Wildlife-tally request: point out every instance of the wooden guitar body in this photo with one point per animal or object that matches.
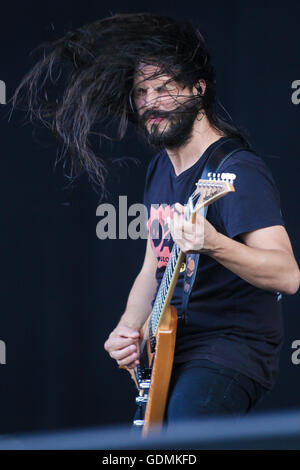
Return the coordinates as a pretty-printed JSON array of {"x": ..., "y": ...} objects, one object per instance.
[{"x": 161, "y": 370}]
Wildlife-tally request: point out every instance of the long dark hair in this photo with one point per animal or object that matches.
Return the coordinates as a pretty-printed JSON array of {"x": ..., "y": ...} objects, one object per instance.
[{"x": 83, "y": 82}]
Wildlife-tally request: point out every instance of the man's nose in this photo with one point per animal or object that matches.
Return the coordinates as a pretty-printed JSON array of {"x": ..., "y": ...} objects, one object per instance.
[{"x": 152, "y": 100}]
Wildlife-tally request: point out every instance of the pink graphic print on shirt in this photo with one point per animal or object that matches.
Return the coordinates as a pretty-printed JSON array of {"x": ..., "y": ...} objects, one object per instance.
[{"x": 159, "y": 231}]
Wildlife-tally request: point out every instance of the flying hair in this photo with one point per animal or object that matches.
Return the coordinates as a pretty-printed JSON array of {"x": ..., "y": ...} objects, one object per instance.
[{"x": 83, "y": 82}]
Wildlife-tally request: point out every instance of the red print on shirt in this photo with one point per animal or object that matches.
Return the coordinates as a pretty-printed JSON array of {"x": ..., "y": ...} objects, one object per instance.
[{"x": 159, "y": 231}]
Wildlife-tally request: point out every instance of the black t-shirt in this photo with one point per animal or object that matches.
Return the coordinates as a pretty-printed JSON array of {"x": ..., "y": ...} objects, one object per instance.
[{"x": 229, "y": 321}]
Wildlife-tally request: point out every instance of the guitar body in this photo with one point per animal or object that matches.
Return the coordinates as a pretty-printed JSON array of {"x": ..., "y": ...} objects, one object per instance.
[
  {"x": 161, "y": 369},
  {"x": 161, "y": 372}
]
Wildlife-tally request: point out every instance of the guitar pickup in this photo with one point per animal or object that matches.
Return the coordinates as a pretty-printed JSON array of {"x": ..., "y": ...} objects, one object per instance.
[
  {"x": 141, "y": 399},
  {"x": 145, "y": 385}
]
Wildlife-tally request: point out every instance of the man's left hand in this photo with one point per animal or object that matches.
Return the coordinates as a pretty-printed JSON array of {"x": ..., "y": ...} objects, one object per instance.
[{"x": 196, "y": 237}]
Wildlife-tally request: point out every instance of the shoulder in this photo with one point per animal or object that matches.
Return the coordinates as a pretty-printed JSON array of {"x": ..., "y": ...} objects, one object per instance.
[
  {"x": 248, "y": 165},
  {"x": 255, "y": 201},
  {"x": 246, "y": 160}
]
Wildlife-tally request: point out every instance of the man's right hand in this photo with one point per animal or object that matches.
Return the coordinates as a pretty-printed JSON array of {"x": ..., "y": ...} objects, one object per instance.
[{"x": 122, "y": 345}]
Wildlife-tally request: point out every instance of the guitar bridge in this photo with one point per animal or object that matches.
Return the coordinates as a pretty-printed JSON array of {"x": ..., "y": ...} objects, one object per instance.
[
  {"x": 138, "y": 422},
  {"x": 141, "y": 401}
]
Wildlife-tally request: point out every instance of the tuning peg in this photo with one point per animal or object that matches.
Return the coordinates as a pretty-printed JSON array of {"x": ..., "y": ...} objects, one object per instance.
[
  {"x": 209, "y": 175},
  {"x": 230, "y": 177}
]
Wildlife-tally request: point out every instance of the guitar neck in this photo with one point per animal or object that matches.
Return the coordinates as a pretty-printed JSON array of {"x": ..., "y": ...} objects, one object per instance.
[{"x": 166, "y": 288}]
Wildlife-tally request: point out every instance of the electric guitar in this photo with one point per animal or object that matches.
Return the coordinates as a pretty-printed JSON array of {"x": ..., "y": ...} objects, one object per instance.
[{"x": 158, "y": 335}]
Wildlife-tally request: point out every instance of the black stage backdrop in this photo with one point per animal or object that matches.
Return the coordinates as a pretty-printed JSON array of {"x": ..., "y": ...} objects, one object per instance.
[{"x": 62, "y": 288}]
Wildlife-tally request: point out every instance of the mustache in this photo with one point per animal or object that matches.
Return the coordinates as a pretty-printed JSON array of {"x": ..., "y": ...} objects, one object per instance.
[{"x": 155, "y": 114}]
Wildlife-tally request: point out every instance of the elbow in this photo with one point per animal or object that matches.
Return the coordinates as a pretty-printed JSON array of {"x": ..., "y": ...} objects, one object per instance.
[{"x": 292, "y": 284}]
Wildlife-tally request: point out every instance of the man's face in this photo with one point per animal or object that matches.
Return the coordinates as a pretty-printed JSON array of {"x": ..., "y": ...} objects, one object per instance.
[{"x": 166, "y": 110}]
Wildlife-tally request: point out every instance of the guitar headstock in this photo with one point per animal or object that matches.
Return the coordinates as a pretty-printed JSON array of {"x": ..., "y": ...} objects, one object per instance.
[{"x": 208, "y": 191}]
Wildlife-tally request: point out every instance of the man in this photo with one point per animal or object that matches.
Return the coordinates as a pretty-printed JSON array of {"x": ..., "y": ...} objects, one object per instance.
[
  {"x": 157, "y": 73},
  {"x": 207, "y": 377}
]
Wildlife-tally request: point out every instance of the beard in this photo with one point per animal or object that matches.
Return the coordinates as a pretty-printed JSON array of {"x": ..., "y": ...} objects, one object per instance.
[{"x": 173, "y": 131}]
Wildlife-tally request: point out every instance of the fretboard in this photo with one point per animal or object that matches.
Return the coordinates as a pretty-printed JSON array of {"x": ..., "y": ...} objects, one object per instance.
[{"x": 166, "y": 288}]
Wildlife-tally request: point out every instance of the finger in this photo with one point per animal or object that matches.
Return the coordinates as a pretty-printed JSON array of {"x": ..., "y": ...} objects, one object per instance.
[
  {"x": 196, "y": 228},
  {"x": 119, "y": 342},
  {"x": 128, "y": 360},
  {"x": 188, "y": 237},
  {"x": 178, "y": 208},
  {"x": 177, "y": 226},
  {"x": 188, "y": 228},
  {"x": 132, "y": 365},
  {"x": 119, "y": 354}
]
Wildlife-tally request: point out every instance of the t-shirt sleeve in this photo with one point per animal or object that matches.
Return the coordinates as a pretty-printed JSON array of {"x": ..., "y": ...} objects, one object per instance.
[{"x": 255, "y": 203}]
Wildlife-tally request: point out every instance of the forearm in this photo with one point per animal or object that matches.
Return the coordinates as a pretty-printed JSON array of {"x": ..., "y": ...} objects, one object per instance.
[
  {"x": 139, "y": 301},
  {"x": 268, "y": 269}
]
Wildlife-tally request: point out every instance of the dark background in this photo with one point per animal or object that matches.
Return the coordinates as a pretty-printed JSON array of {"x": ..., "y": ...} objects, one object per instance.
[{"x": 63, "y": 290}]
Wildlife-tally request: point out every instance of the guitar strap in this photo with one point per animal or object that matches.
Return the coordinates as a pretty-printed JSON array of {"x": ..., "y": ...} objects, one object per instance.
[{"x": 214, "y": 163}]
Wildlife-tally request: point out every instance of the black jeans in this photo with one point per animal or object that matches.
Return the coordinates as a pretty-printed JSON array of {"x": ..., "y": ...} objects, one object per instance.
[{"x": 203, "y": 388}]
